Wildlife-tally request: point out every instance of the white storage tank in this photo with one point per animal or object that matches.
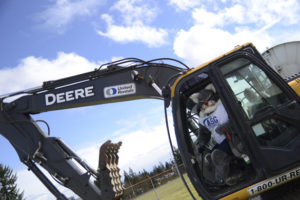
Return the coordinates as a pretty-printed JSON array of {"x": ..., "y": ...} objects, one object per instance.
[{"x": 285, "y": 59}]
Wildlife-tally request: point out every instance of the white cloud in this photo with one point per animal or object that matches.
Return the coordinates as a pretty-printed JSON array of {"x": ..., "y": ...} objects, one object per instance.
[
  {"x": 248, "y": 12},
  {"x": 272, "y": 9},
  {"x": 59, "y": 15},
  {"x": 200, "y": 44},
  {"x": 152, "y": 37},
  {"x": 286, "y": 10},
  {"x": 136, "y": 10},
  {"x": 136, "y": 16},
  {"x": 141, "y": 149},
  {"x": 185, "y": 4},
  {"x": 216, "y": 31},
  {"x": 33, "y": 71},
  {"x": 206, "y": 18},
  {"x": 143, "y": 145}
]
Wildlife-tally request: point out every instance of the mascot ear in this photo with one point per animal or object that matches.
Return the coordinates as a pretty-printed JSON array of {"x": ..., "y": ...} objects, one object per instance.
[
  {"x": 211, "y": 87},
  {"x": 194, "y": 97}
]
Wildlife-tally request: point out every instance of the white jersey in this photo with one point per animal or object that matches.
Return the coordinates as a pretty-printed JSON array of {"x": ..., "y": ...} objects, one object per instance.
[{"x": 218, "y": 117}]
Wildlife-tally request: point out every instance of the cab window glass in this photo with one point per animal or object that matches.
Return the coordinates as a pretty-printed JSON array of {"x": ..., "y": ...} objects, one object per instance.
[
  {"x": 252, "y": 87},
  {"x": 273, "y": 132}
]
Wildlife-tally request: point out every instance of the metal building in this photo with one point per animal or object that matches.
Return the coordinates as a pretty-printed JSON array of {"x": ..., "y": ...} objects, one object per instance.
[{"x": 285, "y": 59}]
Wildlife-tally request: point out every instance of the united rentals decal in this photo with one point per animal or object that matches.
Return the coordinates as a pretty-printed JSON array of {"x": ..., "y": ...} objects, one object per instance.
[{"x": 119, "y": 90}]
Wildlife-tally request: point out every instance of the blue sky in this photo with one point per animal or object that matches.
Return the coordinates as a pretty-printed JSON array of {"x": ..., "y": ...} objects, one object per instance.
[{"x": 46, "y": 40}]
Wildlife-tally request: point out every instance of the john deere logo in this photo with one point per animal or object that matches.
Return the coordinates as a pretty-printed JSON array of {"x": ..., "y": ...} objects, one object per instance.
[{"x": 119, "y": 90}]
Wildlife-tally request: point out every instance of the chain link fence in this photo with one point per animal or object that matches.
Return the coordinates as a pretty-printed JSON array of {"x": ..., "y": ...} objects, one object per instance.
[{"x": 151, "y": 183}]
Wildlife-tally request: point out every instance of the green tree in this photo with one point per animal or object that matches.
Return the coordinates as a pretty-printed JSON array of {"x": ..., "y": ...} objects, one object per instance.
[
  {"x": 157, "y": 169},
  {"x": 132, "y": 176},
  {"x": 127, "y": 182},
  {"x": 8, "y": 186},
  {"x": 177, "y": 156},
  {"x": 168, "y": 165}
]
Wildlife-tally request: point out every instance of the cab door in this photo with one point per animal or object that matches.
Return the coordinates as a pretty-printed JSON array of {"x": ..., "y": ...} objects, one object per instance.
[{"x": 269, "y": 110}]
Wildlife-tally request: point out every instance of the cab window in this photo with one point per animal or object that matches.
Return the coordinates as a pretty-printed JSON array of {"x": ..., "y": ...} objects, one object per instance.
[
  {"x": 275, "y": 133},
  {"x": 252, "y": 88},
  {"x": 257, "y": 94}
]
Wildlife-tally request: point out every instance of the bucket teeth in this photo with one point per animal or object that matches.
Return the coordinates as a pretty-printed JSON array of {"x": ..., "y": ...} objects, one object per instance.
[{"x": 109, "y": 177}]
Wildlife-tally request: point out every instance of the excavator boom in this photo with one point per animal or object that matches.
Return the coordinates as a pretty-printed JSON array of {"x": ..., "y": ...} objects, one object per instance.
[{"x": 36, "y": 148}]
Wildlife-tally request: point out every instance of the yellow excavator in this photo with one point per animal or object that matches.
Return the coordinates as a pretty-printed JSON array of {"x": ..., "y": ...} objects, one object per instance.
[{"x": 261, "y": 128}]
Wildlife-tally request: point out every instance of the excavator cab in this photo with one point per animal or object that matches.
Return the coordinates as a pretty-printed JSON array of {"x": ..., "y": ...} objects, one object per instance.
[{"x": 259, "y": 123}]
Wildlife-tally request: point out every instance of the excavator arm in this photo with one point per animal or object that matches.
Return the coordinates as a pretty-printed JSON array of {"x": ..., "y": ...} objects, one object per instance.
[{"x": 123, "y": 80}]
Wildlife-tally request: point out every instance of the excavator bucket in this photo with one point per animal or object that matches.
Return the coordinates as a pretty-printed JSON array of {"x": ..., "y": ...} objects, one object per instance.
[{"x": 109, "y": 178}]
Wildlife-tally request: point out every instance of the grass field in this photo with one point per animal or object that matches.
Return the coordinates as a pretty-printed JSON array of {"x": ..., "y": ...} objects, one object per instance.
[{"x": 174, "y": 190}]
